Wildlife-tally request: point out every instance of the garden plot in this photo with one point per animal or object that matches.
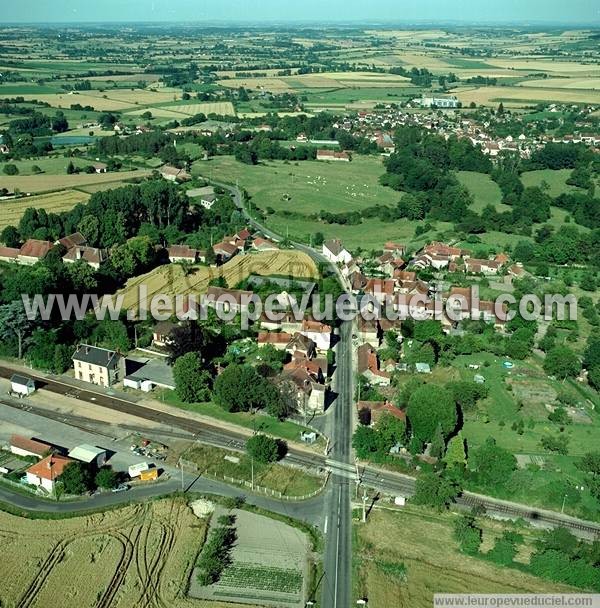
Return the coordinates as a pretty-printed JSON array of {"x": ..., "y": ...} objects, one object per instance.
[{"x": 269, "y": 565}]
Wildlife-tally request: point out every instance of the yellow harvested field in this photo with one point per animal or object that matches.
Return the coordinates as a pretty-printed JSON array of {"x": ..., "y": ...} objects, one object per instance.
[
  {"x": 65, "y": 100},
  {"x": 11, "y": 211},
  {"x": 224, "y": 108},
  {"x": 172, "y": 280},
  {"x": 536, "y": 65},
  {"x": 141, "y": 555},
  {"x": 325, "y": 80},
  {"x": 112, "y": 99},
  {"x": 137, "y": 96},
  {"x": 45, "y": 183},
  {"x": 522, "y": 96},
  {"x": 270, "y": 84},
  {"x": 565, "y": 83},
  {"x": 164, "y": 112}
]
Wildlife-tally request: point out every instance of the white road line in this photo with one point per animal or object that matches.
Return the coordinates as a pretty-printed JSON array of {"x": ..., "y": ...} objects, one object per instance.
[
  {"x": 337, "y": 553},
  {"x": 325, "y": 527}
]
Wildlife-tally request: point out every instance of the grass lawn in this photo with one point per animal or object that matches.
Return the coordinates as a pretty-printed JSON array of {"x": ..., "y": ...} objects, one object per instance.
[
  {"x": 287, "y": 480},
  {"x": 423, "y": 542},
  {"x": 264, "y": 424}
]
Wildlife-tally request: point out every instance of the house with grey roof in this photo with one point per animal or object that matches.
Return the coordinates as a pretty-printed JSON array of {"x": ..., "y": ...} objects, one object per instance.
[{"x": 96, "y": 365}]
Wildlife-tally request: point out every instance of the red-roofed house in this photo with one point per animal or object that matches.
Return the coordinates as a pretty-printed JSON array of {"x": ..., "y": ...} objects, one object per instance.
[
  {"x": 45, "y": 472},
  {"x": 368, "y": 366},
  {"x": 21, "y": 446},
  {"x": 264, "y": 245},
  {"x": 9, "y": 254},
  {"x": 278, "y": 340},
  {"x": 378, "y": 408}
]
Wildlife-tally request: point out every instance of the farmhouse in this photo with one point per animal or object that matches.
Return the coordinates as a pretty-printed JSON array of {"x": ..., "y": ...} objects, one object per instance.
[
  {"x": 225, "y": 250},
  {"x": 368, "y": 366},
  {"x": 278, "y": 340},
  {"x": 72, "y": 240},
  {"x": 302, "y": 345},
  {"x": 439, "y": 102},
  {"x": 182, "y": 253},
  {"x": 92, "y": 256},
  {"x": 377, "y": 409},
  {"x": 264, "y": 245},
  {"x": 318, "y": 332},
  {"x": 310, "y": 394},
  {"x": 9, "y": 254},
  {"x": 228, "y": 300},
  {"x": 482, "y": 266},
  {"x": 148, "y": 374},
  {"x": 335, "y": 252},
  {"x": 161, "y": 334},
  {"x": 173, "y": 174},
  {"x": 96, "y": 365},
  {"x": 333, "y": 155},
  {"x": 33, "y": 251},
  {"x": 45, "y": 473}
]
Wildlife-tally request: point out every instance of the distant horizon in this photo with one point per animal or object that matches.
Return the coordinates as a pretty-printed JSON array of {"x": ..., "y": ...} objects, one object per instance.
[
  {"x": 580, "y": 13},
  {"x": 299, "y": 22}
]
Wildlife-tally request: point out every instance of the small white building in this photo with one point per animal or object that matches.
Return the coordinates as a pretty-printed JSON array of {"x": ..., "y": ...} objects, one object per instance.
[{"x": 22, "y": 385}]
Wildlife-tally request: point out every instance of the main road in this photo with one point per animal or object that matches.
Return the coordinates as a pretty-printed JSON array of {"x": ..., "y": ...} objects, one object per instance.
[{"x": 337, "y": 580}]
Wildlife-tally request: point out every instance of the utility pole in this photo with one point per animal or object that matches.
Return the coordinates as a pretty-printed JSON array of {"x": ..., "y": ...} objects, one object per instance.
[
  {"x": 562, "y": 510},
  {"x": 181, "y": 467},
  {"x": 364, "y": 512}
]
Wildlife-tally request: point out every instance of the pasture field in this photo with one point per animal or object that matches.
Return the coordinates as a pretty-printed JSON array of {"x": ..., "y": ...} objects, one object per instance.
[
  {"x": 484, "y": 189},
  {"x": 138, "y": 555},
  {"x": 314, "y": 186},
  {"x": 50, "y": 165},
  {"x": 11, "y": 211},
  {"x": 172, "y": 279},
  {"x": 524, "y": 393},
  {"x": 423, "y": 542},
  {"x": 556, "y": 179},
  {"x": 44, "y": 183}
]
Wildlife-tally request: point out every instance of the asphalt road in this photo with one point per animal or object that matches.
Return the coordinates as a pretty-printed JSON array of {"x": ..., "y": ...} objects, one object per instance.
[
  {"x": 337, "y": 565},
  {"x": 337, "y": 581}
]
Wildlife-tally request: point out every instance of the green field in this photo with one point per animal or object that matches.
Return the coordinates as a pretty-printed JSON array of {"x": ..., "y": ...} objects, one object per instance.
[
  {"x": 556, "y": 179},
  {"x": 312, "y": 187},
  {"x": 484, "y": 189}
]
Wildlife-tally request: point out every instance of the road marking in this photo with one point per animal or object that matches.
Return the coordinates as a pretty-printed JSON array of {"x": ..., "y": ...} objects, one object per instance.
[
  {"x": 325, "y": 527},
  {"x": 337, "y": 552}
]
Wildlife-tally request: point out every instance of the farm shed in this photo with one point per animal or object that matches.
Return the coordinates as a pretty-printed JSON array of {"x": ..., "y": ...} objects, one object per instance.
[
  {"x": 89, "y": 454},
  {"x": 148, "y": 375}
]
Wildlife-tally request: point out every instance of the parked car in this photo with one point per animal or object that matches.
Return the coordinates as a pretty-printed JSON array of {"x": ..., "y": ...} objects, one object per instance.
[{"x": 122, "y": 488}]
